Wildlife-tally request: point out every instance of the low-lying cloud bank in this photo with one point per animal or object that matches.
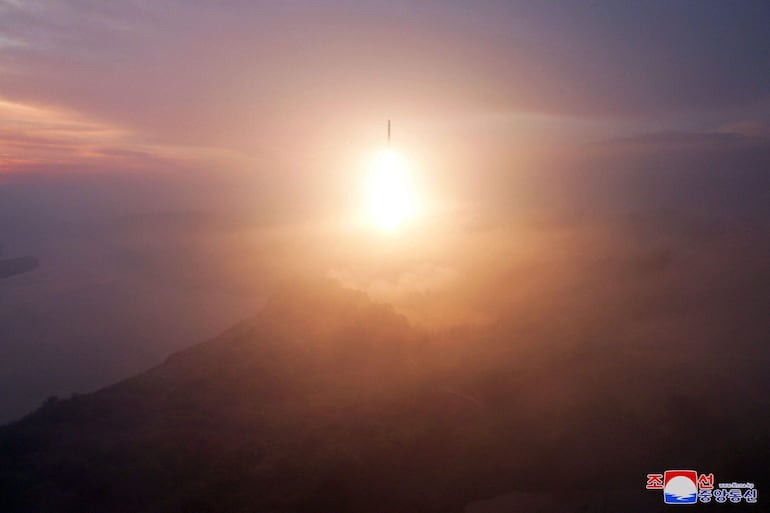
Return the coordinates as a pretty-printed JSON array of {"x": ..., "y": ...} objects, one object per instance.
[{"x": 666, "y": 245}]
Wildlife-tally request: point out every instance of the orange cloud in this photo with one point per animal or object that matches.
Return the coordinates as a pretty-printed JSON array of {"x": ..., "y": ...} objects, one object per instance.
[{"x": 36, "y": 136}]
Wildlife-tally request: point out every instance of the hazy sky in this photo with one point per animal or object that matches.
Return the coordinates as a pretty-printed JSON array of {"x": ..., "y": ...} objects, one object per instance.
[
  {"x": 197, "y": 153},
  {"x": 298, "y": 83}
]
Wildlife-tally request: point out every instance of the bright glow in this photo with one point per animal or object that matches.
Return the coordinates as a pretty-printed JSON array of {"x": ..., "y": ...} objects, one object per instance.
[{"x": 390, "y": 197}]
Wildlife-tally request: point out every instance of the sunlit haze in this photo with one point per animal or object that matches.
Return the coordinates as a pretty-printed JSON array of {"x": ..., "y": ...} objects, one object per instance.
[{"x": 550, "y": 277}]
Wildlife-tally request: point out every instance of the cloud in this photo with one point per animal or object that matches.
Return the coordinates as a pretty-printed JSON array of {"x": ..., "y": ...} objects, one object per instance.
[
  {"x": 13, "y": 266},
  {"x": 262, "y": 77},
  {"x": 747, "y": 128},
  {"x": 723, "y": 154},
  {"x": 753, "y": 132},
  {"x": 44, "y": 137},
  {"x": 399, "y": 286},
  {"x": 32, "y": 134}
]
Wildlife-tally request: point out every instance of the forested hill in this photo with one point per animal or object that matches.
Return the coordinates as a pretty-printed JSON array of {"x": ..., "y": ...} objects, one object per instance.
[{"x": 328, "y": 402}]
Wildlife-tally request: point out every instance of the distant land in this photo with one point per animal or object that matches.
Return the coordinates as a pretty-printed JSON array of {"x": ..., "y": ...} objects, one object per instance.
[{"x": 13, "y": 266}]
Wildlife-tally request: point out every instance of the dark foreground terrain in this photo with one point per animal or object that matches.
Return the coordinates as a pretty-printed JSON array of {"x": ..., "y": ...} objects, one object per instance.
[{"x": 327, "y": 402}]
